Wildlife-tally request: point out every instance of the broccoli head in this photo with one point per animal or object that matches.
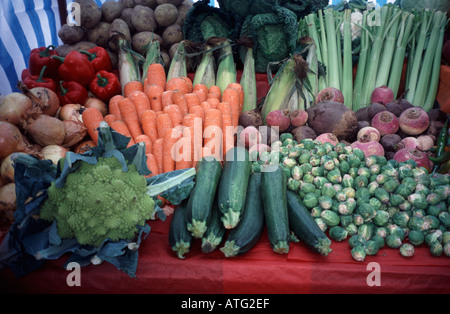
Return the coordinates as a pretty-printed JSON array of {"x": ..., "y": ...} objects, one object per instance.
[{"x": 98, "y": 202}]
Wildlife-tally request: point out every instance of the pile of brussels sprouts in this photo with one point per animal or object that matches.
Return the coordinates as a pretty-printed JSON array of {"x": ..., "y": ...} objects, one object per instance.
[{"x": 370, "y": 201}]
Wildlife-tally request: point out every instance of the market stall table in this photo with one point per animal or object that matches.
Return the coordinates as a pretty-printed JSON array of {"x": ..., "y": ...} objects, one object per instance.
[{"x": 259, "y": 271}]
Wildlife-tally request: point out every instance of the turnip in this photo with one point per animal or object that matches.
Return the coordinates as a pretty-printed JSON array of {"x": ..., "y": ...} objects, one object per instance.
[
  {"x": 369, "y": 132},
  {"x": 250, "y": 136},
  {"x": 298, "y": 117},
  {"x": 382, "y": 95},
  {"x": 414, "y": 121},
  {"x": 330, "y": 94},
  {"x": 409, "y": 142},
  {"x": 385, "y": 122},
  {"x": 279, "y": 118},
  {"x": 327, "y": 138},
  {"x": 369, "y": 147},
  {"x": 426, "y": 141},
  {"x": 418, "y": 156}
]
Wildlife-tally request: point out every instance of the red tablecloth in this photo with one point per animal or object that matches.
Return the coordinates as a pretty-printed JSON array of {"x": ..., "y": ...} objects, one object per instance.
[{"x": 258, "y": 271}]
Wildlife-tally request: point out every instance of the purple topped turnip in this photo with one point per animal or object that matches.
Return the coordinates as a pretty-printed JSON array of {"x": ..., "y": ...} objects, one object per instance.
[
  {"x": 279, "y": 118},
  {"x": 414, "y": 121},
  {"x": 382, "y": 95},
  {"x": 330, "y": 94},
  {"x": 385, "y": 122}
]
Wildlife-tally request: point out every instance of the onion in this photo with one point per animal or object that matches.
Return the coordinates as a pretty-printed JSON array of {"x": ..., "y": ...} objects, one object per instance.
[
  {"x": 48, "y": 100},
  {"x": 46, "y": 130},
  {"x": 426, "y": 141},
  {"x": 8, "y": 200},
  {"x": 330, "y": 94},
  {"x": 414, "y": 121},
  {"x": 382, "y": 95},
  {"x": 369, "y": 147},
  {"x": 369, "y": 132},
  {"x": 94, "y": 102},
  {"x": 327, "y": 138},
  {"x": 7, "y": 167},
  {"x": 53, "y": 152},
  {"x": 11, "y": 140},
  {"x": 385, "y": 122},
  {"x": 15, "y": 107},
  {"x": 409, "y": 142},
  {"x": 71, "y": 112},
  {"x": 75, "y": 132},
  {"x": 418, "y": 156}
]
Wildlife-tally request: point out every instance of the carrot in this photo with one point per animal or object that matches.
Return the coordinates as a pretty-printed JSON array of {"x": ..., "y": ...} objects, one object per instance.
[
  {"x": 213, "y": 101},
  {"x": 206, "y": 106},
  {"x": 121, "y": 127},
  {"x": 170, "y": 137},
  {"x": 140, "y": 101},
  {"x": 188, "y": 83},
  {"x": 147, "y": 141},
  {"x": 199, "y": 111},
  {"x": 163, "y": 123},
  {"x": 240, "y": 90},
  {"x": 231, "y": 96},
  {"x": 166, "y": 98},
  {"x": 152, "y": 165},
  {"x": 154, "y": 94},
  {"x": 228, "y": 133},
  {"x": 131, "y": 87},
  {"x": 224, "y": 107},
  {"x": 213, "y": 95},
  {"x": 84, "y": 147},
  {"x": 175, "y": 114},
  {"x": 148, "y": 123},
  {"x": 109, "y": 118},
  {"x": 91, "y": 120},
  {"x": 183, "y": 153},
  {"x": 114, "y": 106},
  {"x": 192, "y": 99},
  {"x": 179, "y": 99},
  {"x": 158, "y": 153},
  {"x": 130, "y": 117},
  {"x": 200, "y": 86},
  {"x": 212, "y": 134},
  {"x": 156, "y": 74},
  {"x": 178, "y": 83},
  {"x": 214, "y": 89}
]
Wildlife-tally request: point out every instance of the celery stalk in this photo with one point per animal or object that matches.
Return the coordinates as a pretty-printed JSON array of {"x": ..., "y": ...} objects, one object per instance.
[
  {"x": 360, "y": 71},
  {"x": 347, "y": 75},
  {"x": 333, "y": 55}
]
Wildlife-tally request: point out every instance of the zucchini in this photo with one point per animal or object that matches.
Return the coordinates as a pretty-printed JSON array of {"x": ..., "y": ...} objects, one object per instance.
[
  {"x": 202, "y": 197},
  {"x": 273, "y": 190},
  {"x": 305, "y": 227},
  {"x": 233, "y": 185},
  {"x": 249, "y": 230},
  {"x": 215, "y": 231},
  {"x": 179, "y": 237}
]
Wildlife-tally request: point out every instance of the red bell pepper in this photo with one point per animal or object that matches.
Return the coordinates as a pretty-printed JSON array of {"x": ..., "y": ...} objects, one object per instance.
[
  {"x": 72, "y": 92},
  {"x": 43, "y": 56},
  {"x": 76, "y": 67},
  {"x": 99, "y": 57},
  {"x": 105, "y": 85},
  {"x": 33, "y": 81}
]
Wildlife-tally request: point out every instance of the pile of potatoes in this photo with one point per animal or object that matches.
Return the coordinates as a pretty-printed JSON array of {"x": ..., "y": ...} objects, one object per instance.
[{"x": 138, "y": 20}]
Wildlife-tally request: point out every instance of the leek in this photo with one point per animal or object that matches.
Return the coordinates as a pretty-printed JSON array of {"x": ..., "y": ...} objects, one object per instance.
[
  {"x": 205, "y": 72},
  {"x": 332, "y": 47},
  {"x": 362, "y": 62},
  {"x": 347, "y": 71},
  {"x": 178, "y": 67},
  {"x": 226, "y": 68},
  {"x": 248, "y": 81}
]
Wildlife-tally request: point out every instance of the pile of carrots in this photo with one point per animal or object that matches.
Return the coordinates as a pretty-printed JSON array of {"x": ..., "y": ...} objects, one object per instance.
[{"x": 178, "y": 122}]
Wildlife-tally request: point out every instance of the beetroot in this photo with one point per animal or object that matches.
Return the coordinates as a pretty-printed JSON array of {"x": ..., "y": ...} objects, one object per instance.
[
  {"x": 251, "y": 118},
  {"x": 279, "y": 118},
  {"x": 369, "y": 147},
  {"x": 298, "y": 117},
  {"x": 414, "y": 121},
  {"x": 250, "y": 136},
  {"x": 418, "y": 156},
  {"x": 330, "y": 94},
  {"x": 385, "y": 122},
  {"x": 303, "y": 132},
  {"x": 389, "y": 142},
  {"x": 382, "y": 95},
  {"x": 327, "y": 138}
]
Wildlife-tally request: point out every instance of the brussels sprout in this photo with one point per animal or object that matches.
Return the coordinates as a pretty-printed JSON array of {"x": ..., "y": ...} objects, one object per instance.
[
  {"x": 308, "y": 177},
  {"x": 358, "y": 253},
  {"x": 410, "y": 183},
  {"x": 354, "y": 161},
  {"x": 314, "y": 160},
  {"x": 346, "y": 220},
  {"x": 364, "y": 171},
  {"x": 371, "y": 247},
  {"x": 406, "y": 250},
  {"x": 379, "y": 240},
  {"x": 293, "y": 184},
  {"x": 318, "y": 171},
  {"x": 358, "y": 220},
  {"x": 349, "y": 191},
  {"x": 343, "y": 157},
  {"x": 366, "y": 231},
  {"x": 325, "y": 201},
  {"x": 446, "y": 249},
  {"x": 393, "y": 163},
  {"x": 352, "y": 229},
  {"x": 307, "y": 187},
  {"x": 418, "y": 200},
  {"x": 347, "y": 181},
  {"x": 444, "y": 217},
  {"x": 304, "y": 157},
  {"x": 361, "y": 181},
  {"x": 382, "y": 195},
  {"x": 423, "y": 179},
  {"x": 405, "y": 205},
  {"x": 446, "y": 237},
  {"x": 393, "y": 241},
  {"x": 436, "y": 248},
  {"x": 321, "y": 223},
  {"x": 330, "y": 217},
  {"x": 382, "y": 232},
  {"x": 339, "y": 147},
  {"x": 433, "y": 236},
  {"x": 405, "y": 172},
  {"x": 310, "y": 200},
  {"x": 442, "y": 190},
  {"x": 401, "y": 219},
  {"x": 334, "y": 176},
  {"x": 367, "y": 211},
  {"x": 328, "y": 190},
  {"x": 416, "y": 223},
  {"x": 362, "y": 195},
  {"x": 389, "y": 170},
  {"x": 289, "y": 162},
  {"x": 328, "y": 146},
  {"x": 417, "y": 212},
  {"x": 315, "y": 211},
  {"x": 344, "y": 166},
  {"x": 393, "y": 228},
  {"x": 296, "y": 172},
  {"x": 396, "y": 199},
  {"x": 295, "y": 152},
  {"x": 392, "y": 210},
  {"x": 381, "y": 218},
  {"x": 403, "y": 190},
  {"x": 337, "y": 233},
  {"x": 439, "y": 179},
  {"x": 308, "y": 143},
  {"x": 329, "y": 164},
  {"x": 375, "y": 170},
  {"x": 286, "y": 136},
  {"x": 416, "y": 237},
  {"x": 431, "y": 222},
  {"x": 353, "y": 172},
  {"x": 371, "y": 160},
  {"x": 320, "y": 181},
  {"x": 435, "y": 210},
  {"x": 391, "y": 185},
  {"x": 372, "y": 186},
  {"x": 341, "y": 196},
  {"x": 284, "y": 151},
  {"x": 433, "y": 198},
  {"x": 359, "y": 153}
]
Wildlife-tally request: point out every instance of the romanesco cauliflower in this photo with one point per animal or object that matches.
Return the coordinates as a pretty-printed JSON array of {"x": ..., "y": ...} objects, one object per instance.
[{"x": 99, "y": 202}]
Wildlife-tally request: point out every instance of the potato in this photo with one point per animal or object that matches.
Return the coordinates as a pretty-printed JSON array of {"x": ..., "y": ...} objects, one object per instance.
[
  {"x": 63, "y": 50},
  {"x": 127, "y": 3},
  {"x": 70, "y": 34},
  {"x": 114, "y": 58},
  {"x": 90, "y": 13},
  {"x": 174, "y": 2},
  {"x": 111, "y": 10},
  {"x": 126, "y": 16},
  {"x": 166, "y": 59},
  {"x": 140, "y": 40},
  {"x": 148, "y": 3},
  {"x": 118, "y": 26},
  {"x": 183, "y": 10},
  {"x": 172, "y": 34},
  {"x": 166, "y": 14},
  {"x": 99, "y": 34},
  {"x": 143, "y": 19},
  {"x": 173, "y": 49}
]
